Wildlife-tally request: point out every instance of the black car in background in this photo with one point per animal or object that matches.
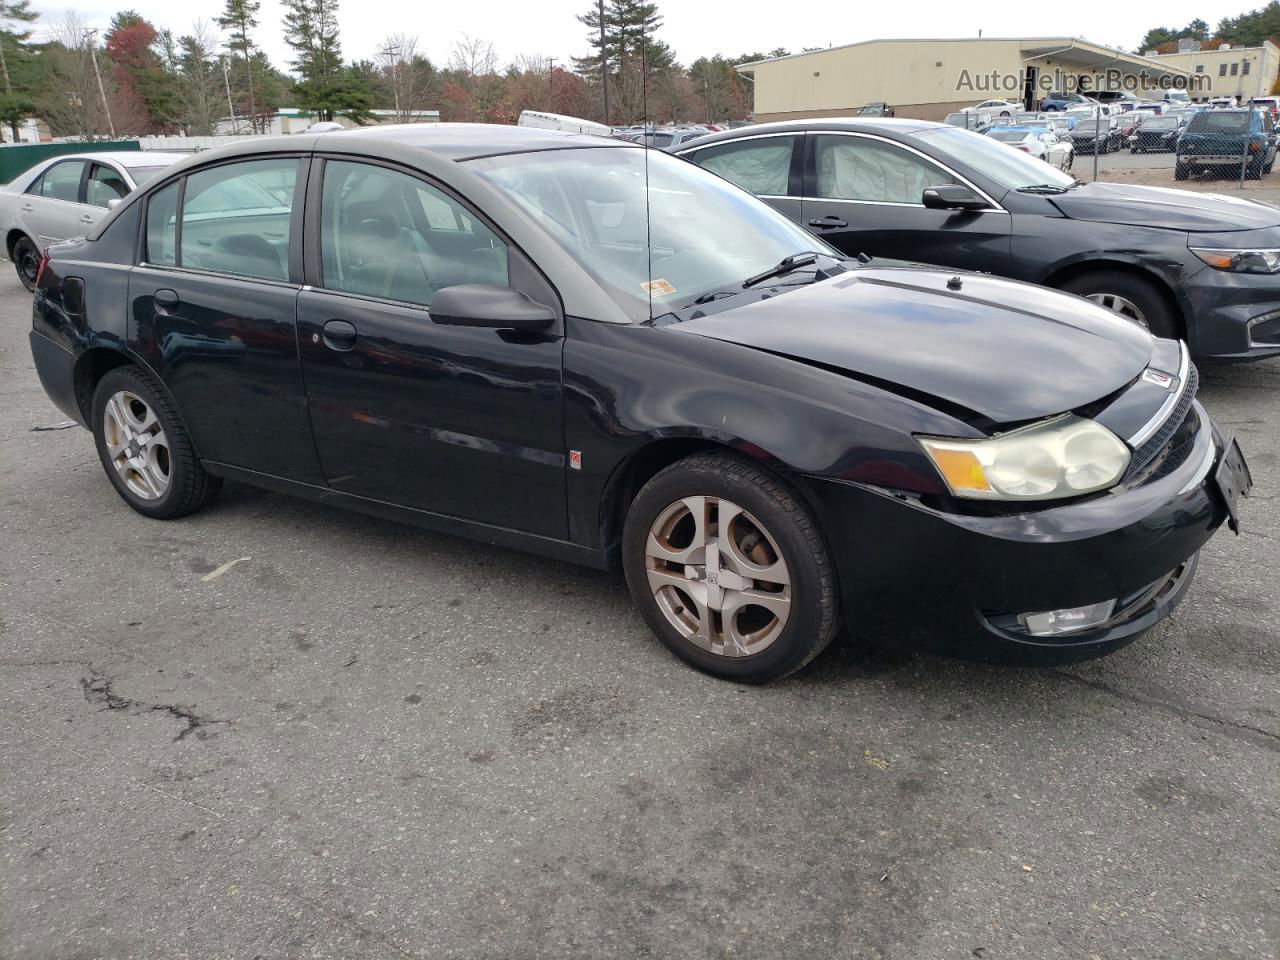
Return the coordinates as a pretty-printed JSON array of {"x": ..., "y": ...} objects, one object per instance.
[
  {"x": 591, "y": 350},
  {"x": 1231, "y": 143},
  {"x": 1158, "y": 133},
  {"x": 1190, "y": 265},
  {"x": 1097, "y": 135}
]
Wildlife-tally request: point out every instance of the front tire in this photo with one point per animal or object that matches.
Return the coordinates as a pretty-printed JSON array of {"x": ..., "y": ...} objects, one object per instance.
[
  {"x": 26, "y": 260},
  {"x": 1133, "y": 297},
  {"x": 729, "y": 569},
  {"x": 144, "y": 446}
]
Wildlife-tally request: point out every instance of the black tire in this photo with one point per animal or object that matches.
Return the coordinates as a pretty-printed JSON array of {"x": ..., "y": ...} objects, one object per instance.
[
  {"x": 1145, "y": 294},
  {"x": 814, "y": 608},
  {"x": 189, "y": 487},
  {"x": 1254, "y": 170},
  {"x": 1180, "y": 171},
  {"x": 26, "y": 260}
]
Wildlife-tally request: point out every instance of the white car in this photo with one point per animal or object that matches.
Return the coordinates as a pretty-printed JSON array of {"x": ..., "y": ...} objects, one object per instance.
[
  {"x": 1042, "y": 144},
  {"x": 63, "y": 197},
  {"x": 989, "y": 109}
]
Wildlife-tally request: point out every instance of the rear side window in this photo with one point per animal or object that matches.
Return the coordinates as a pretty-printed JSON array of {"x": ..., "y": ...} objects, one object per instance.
[
  {"x": 236, "y": 218},
  {"x": 162, "y": 226},
  {"x": 762, "y": 167},
  {"x": 389, "y": 235},
  {"x": 61, "y": 181}
]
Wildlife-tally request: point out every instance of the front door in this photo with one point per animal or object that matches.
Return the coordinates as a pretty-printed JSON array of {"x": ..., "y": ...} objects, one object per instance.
[
  {"x": 863, "y": 194},
  {"x": 461, "y": 421},
  {"x": 52, "y": 209},
  {"x": 213, "y": 310}
]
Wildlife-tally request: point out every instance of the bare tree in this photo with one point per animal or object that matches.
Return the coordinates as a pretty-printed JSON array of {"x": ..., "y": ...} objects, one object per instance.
[
  {"x": 201, "y": 88},
  {"x": 473, "y": 57},
  {"x": 72, "y": 97},
  {"x": 408, "y": 74}
]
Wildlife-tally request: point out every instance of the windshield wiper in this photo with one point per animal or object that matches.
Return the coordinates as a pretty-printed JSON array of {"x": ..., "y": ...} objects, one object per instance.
[
  {"x": 785, "y": 265},
  {"x": 1050, "y": 188}
]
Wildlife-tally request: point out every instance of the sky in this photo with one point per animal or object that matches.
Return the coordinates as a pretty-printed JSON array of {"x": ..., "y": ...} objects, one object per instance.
[{"x": 693, "y": 28}]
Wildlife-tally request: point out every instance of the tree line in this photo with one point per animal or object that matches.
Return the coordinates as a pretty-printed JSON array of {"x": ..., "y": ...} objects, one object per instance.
[
  {"x": 137, "y": 79},
  {"x": 1246, "y": 30}
]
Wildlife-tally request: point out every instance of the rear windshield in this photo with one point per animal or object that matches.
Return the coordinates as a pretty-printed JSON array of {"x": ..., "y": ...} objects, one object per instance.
[
  {"x": 1159, "y": 123},
  {"x": 1010, "y": 136},
  {"x": 1219, "y": 121}
]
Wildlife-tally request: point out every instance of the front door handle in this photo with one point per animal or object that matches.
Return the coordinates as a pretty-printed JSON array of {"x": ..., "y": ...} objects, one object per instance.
[
  {"x": 166, "y": 300},
  {"x": 27, "y": 208},
  {"x": 339, "y": 335},
  {"x": 827, "y": 222}
]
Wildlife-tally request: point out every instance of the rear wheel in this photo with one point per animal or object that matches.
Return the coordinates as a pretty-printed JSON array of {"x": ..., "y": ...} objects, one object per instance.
[
  {"x": 26, "y": 260},
  {"x": 1254, "y": 171},
  {"x": 729, "y": 569},
  {"x": 1127, "y": 295},
  {"x": 144, "y": 447},
  {"x": 1180, "y": 171}
]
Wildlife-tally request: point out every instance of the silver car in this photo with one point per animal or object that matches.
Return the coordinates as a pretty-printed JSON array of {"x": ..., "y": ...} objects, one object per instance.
[{"x": 63, "y": 197}]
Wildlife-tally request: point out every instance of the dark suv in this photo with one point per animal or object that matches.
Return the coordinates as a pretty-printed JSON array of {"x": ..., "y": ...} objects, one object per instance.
[{"x": 1227, "y": 141}]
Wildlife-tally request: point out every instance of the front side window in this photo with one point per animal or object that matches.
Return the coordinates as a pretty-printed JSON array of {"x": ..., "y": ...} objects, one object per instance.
[
  {"x": 61, "y": 181},
  {"x": 389, "y": 235},
  {"x": 855, "y": 168},
  {"x": 654, "y": 231},
  {"x": 760, "y": 166},
  {"x": 104, "y": 184},
  {"x": 236, "y": 218}
]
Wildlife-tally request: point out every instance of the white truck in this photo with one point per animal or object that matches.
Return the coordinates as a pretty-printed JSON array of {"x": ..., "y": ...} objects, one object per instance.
[{"x": 555, "y": 121}]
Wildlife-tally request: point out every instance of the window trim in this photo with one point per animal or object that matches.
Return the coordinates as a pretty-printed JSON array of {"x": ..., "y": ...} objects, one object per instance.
[
  {"x": 811, "y": 173},
  {"x": 795, "y": 172},
  {"x": 128, "y": 181},
  {"x": 85, "y": 163},
  {"x": 312, "y": 238},
  {"x": 295, "y": 264}
]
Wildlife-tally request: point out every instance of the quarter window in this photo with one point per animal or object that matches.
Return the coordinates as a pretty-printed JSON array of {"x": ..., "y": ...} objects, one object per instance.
[
  {"x": 104, "y": 184},
  {"x": 61, "y": 181},
  {"x": 236, "y": 218},
  {"x": 760, "y": 166},
  {"x": 854, "y": 168},
  {"x": 387, "y": 234},
  {"x": 162, "y": 226}
]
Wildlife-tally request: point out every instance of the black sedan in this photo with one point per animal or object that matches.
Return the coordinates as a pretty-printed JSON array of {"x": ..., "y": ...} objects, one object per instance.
[
  {"x": 1185, "y": 265},
  {"x": 597, "y": 352}
]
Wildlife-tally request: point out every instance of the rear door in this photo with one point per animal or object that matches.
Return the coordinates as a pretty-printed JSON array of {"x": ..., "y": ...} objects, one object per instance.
[
  {"x": 52, "y": 208},
  {"x": 863, "y": 194},
  {"x": 767, "y": 165},
  {"x": 461, "y": 421},
  {"x": 213, "y": 310}
]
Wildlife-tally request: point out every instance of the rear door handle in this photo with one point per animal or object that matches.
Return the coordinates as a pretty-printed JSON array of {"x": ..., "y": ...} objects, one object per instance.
[
  {"x": 827, "y": 222},
  {"x": 165, "y": 300},
  {"x": 87, "y": 218},
  {"x": 339, "y": 335}
]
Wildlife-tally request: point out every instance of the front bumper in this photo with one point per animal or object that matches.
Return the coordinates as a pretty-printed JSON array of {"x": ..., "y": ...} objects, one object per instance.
[
  {"x": 1236, "y": 316},
  {"x": 953, "y": 584}
]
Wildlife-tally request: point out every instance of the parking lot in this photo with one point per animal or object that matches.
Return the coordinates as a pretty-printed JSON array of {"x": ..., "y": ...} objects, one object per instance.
[{"x": 278, "y": 730}]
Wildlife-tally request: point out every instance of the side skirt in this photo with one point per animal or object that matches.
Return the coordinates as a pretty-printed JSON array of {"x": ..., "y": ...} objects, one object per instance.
[{"x": 442, "y": 523}]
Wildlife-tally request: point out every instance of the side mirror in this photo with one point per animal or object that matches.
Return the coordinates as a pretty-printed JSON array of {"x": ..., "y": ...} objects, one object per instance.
[
  {"x": 113, "y": 203},
  {"x": 952, "y": 196},
  {"x": 485, "y": 305}
]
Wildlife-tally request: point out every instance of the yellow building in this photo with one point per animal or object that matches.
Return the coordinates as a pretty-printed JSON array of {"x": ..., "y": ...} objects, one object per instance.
[
  {"x": 927, "y": 79},
  {"x": 1242, "y": 72}
]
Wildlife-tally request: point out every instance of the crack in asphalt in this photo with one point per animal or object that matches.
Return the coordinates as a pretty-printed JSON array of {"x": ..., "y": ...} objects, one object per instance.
[
  {"x": 99, "y": 688},
  {"x": 1258, "y": 737}
]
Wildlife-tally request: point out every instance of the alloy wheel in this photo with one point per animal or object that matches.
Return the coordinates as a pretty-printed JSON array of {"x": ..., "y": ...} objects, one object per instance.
[
  {"x": 1119, "y": 305},
  {"x": 718, "y": 576},
  {"x": 137, "y": 445}
]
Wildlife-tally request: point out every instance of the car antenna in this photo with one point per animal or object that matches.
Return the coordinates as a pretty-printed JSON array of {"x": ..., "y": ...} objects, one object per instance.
[{"x": 644, "y": 109}]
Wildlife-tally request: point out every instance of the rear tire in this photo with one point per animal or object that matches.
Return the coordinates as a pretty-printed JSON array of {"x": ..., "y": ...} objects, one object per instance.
[
  {"x": 26, "y": 260},
  {"x": 144, "y": 446},
  {"x": 1112, "y": 288},
  {"x": 701, "y": 605},
  {"x": 1180, "y": 171}
]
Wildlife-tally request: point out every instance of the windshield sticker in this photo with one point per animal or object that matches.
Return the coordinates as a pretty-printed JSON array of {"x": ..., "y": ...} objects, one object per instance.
[{"x": 658, "y": 288}]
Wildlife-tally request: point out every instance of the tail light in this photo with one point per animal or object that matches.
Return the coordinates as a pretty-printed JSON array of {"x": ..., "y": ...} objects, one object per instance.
[{"x": 1254, "y": 146}]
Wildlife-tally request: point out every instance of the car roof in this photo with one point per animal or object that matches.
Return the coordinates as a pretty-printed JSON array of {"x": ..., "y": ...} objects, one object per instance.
[
  {"x": 468, "y": 141},
  {"x": 125, "y": 158},
  {"x": 875, "y": 125}
]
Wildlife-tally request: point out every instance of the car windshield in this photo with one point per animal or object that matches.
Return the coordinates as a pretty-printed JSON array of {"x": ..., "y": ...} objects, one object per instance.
[
  {"x": 1220, "y": 121},
  {"x": 696, "y": 234},
  {"x": 1159, "y": 123},
  {"x": 142, "y": 174},
  {"x": 1087, "y": 126},
  {"x": 1011, "y": 169}
]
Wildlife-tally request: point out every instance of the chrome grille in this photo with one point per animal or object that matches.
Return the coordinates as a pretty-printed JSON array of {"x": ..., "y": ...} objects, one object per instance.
[{"x": 1152, "y": 447}]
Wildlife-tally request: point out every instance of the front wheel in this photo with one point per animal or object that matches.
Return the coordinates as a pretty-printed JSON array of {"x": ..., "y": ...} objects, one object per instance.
[
  {"x": 26, "y": 260},
  {"x": 144, "y": 447},
  {"x": 1130, "y": 296},
  {"x": 729, "y": 569}
]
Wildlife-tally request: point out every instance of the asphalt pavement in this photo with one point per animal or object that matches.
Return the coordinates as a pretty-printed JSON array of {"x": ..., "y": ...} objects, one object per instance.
[{"x": 278, "y": 730}]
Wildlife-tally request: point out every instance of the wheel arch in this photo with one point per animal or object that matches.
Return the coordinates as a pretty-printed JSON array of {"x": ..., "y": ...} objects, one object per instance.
[
  {"x": 91, "y": 366},
  {"x": 1078, "y": 268},
  {"x": 12, "y": 237}
]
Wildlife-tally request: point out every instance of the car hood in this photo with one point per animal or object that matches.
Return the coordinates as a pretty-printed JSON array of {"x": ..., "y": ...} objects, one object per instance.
[
  {"x": 1165, "y": 207},
  {"x": 1004, "y": 350}
]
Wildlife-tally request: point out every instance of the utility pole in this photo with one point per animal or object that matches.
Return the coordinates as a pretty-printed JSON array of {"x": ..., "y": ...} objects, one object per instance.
[
  {"x": 226, "y": 79},
  {"x": 90, "y": 36},
  {"x": 551, "y": 82},
  {"x": 392, "y": 53},
  {"x": 604, "y": 66}
]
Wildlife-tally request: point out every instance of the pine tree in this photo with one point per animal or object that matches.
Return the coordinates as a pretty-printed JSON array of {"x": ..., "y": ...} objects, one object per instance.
[
  {"x": 12, "y": 14},
  {"x": 326, "y": 87},
  {"x": 628, "y": 50},
  {"x": 238, "y": 18}
]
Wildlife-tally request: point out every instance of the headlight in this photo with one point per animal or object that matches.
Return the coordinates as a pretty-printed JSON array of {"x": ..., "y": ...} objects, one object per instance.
[
  {"x": 1240, "y": 261},
  {"x": 1063, "y": 457}
]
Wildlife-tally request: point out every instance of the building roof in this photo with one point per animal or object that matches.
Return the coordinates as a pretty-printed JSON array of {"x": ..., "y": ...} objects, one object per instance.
[{"x": 1075, "y": 49}]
